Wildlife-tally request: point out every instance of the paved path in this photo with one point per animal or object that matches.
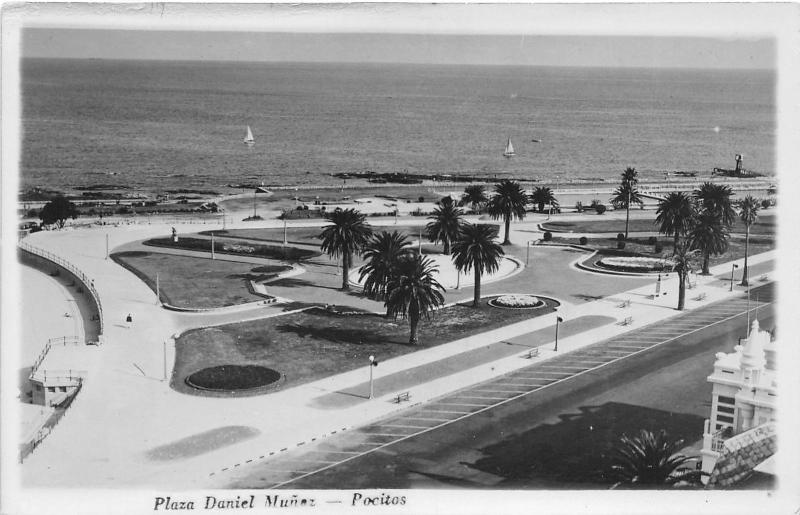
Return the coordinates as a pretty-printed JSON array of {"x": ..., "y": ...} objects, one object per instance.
[{"x": 140, "y": 413}]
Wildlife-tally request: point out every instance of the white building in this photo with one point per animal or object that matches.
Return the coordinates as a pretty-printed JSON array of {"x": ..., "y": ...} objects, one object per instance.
[{"x": 740, "y": 432}]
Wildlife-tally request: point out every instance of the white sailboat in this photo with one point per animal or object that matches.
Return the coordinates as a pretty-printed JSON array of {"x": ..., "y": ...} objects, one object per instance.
[
  {"x": 509, "y": 149},
  {"x": 248, "y": 139}
]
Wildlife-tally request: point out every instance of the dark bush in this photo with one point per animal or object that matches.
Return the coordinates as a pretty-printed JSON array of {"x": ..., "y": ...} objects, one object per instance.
[
  {"x": 583, "y": 240},
  {"x": 548, "y": 236},
  {"x": 620, "y": 236},
  {"x": 123, "y": 210},
  {"x": 765, "y": 203},
  {"x": 652, "y": 240},
  {"x": 600, "y": 208},
  {"x": 579, "y": 206},
  {"x": 620, "y": 245},
  {"x": 658, "y": 248},
  {"x": 422, "y": 199}
]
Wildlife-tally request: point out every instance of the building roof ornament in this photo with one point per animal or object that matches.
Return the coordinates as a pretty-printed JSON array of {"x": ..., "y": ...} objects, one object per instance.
[{"x": 753, "y": 356}]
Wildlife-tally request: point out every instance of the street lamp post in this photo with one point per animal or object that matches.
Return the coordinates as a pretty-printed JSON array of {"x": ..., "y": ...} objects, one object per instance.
[
  {"x": 165, "y": 360},
  {"x": 213, "y": 256},
  {"x": 372, "y": 363},
  {"x": 733, "y": 267},
  {"x": 558, "y": 321},
  {"x": 528, "y": 253},
  {"x": 285, "y": 216},
  {"x": 158, "y": 290},
  {"x": 106, "y": 245}
]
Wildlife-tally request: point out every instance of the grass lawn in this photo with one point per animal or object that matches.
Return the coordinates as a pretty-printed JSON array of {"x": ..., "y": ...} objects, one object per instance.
[
  {"x": 236, "y": 248},
  {"x": 191, "y": 282},
  {"x": 306, "y": 235},
  {"x": 316, "y": 343},
  {"x": 765, "y": 225},
  {"x": 641, "y": 247}
]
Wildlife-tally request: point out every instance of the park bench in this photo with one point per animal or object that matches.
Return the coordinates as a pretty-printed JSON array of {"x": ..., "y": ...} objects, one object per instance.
[
  {"x": 625, "y": 304},
  {"x": 700, "y": 297},
  {"x": 402, "y": 397},
  {"x": 531, "y": 353},
  {"x": 626, "y": 321}
]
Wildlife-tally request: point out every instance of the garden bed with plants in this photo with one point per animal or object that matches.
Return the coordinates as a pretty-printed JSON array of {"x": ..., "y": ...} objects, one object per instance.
[
  {"x": 197, "y": 283},
  {"x": 317, "y": 343}
]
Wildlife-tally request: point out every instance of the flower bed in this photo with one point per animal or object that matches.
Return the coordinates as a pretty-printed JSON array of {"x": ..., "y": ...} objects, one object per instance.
[
  {"x": 635, "y": 264},
  {"x": 516, "y": 301}
]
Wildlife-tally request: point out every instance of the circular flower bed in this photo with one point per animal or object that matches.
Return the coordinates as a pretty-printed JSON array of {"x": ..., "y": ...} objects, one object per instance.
[
  {"x": 636, "y": 264},
  {"x": 516, "y": 301},
  {"x": 232, "y": 377}
]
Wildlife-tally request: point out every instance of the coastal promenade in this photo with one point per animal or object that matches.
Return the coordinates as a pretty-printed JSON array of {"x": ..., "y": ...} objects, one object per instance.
[{"x": 128, "y": 428}]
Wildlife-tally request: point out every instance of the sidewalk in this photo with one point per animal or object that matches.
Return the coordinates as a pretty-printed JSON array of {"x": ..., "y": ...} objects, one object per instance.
[{"x": 139, "y": 412}]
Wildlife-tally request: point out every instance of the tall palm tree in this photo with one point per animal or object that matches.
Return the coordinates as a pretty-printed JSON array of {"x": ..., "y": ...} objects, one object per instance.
[
  {"x": 476, "y": 250},
  {"x": 508, "y": 201},
  {"x": 445, "y": 225},
  {"x": 748, "y": 214},
  {"x": 626, "y": 194},
  {"x": 716, "y": 199},
  {"x": 475, "y": 196},
  {"x": 412, "y": 292},
  {"x": 709, "y": 236},
  {"x": 683, "y": 260},
  {"x": 382, "y": 254},
  {"x": 543, "y": 195},
  {"x": 650, "y": 459},
  {"x": 675, "y": 215},
  {"x": 345, "y": 236}
]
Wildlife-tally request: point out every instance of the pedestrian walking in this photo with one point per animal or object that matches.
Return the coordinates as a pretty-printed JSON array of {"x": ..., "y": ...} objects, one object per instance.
[
  {"x": 129, "y": 321},
  {"x": 658, "y": 286}
]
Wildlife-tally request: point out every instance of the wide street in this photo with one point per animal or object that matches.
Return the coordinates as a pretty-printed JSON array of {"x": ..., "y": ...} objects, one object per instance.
[{"x": 544, "y": 426}]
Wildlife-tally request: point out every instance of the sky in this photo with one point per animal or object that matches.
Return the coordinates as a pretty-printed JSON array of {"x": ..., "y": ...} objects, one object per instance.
[{"x": 539, "y": 50}]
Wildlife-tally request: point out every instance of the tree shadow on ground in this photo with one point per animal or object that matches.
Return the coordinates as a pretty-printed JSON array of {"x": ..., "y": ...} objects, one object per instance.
[
  {"x": 575, "y": 450},
  {"x": 352, "y": 336}
]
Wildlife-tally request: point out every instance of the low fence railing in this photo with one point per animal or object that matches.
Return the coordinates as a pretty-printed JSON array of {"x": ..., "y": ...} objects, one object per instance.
[
  {"x": 62, "y": 340},
  {"x": 61, "y": 409},
  {"x": 88, "y": 283}
]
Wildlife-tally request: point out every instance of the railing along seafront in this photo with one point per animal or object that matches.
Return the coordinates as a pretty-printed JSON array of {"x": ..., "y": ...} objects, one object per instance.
[
  {"x": 63, "y": 340},
  {"x": 74, "y": 270}
]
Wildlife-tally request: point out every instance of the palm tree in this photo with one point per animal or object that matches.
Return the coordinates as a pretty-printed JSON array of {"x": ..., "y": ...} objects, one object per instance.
[
  {"x": 508, "y": 201},
  {"x": 476, "y": 250},
  {"x": 412, "y": 292},
  {"x": 682, "y": 264},
  {"x": 708, "y": 236},
  {"x": 675, "y": 215},
  {"x": 445, "y": 225},
  {"x": 543, "y": 195},
  {"x": 626, "y": 194},
  {"x": 475, "y": 196},
  {"x": 748, "y": 214},
  {"x": 382, "y": 254},
  {"x": 716, "y": 199},
  {"x": 346, "y": 236},
  {"x": 650, "y": 459}
]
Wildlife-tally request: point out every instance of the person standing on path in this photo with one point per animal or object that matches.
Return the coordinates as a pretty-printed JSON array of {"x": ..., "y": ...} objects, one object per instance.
[
  {"x": 129, "y": 321},
  {"x": 658, "y": 286}
]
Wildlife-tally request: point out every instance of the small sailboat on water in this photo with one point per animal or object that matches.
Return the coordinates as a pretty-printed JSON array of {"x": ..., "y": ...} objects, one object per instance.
[
  {"x": 248, "y": 139},
  {"x": 509, "y": 149}
]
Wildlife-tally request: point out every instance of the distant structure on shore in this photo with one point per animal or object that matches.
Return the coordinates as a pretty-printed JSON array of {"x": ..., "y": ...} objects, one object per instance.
[{"x": 739, "y": 171}]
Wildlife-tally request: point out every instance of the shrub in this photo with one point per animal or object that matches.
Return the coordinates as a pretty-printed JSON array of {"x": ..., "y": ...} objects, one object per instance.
[
  {"x": 620, "y": 236},
  {"x": 600, "y": 208},
  {"x": 579, "y": 206},
  {"x": 595, "y": 203},
  {"x": 658, "y": 248},
  {"x": 652, "y": 240},
  {"x": 421, "y": 199},
  {"x": 583, "y": 240},
  {"x": 765, "y": 203},
  {"x": 620, "y": 245},
  {"x": 548, "y": 236}
]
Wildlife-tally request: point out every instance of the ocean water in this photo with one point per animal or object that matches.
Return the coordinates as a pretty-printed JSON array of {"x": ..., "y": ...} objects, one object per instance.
[{"x": 149, "y": 124}]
